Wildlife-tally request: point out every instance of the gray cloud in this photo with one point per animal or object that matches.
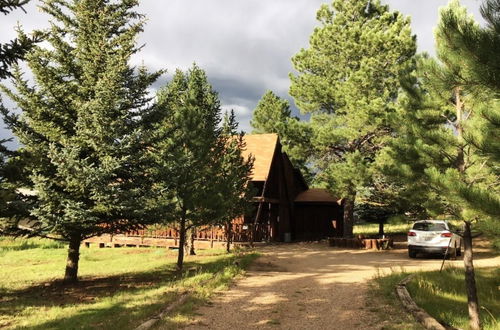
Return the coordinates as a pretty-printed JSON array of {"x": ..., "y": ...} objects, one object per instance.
[{"x": 245, "y": 46}]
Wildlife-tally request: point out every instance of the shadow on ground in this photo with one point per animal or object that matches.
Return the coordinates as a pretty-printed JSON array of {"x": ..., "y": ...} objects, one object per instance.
[{"x": 90, "y": 292}]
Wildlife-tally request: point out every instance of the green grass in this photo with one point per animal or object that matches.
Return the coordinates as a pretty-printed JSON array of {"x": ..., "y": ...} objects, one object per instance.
[
  {"x": 491, "y": 230},
  {"x": 443, "y": 296},
  {"x": 369, "y": 229},
  {"x": 16, "y": 244},
  {"x": 382, "y": 290},
  {"x": 400, "y": 228},
  {"x": 119, "y": 288}
]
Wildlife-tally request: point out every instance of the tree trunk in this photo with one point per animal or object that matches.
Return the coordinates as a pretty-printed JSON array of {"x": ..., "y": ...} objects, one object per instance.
[
  {"x": 381, "y": 229},
  {"x": 71, "y": 274},
  {"x": 192, "y": 251},
  {"x": 349, "y": 216},
  {"x": 470, "y": 280},
  {"x": 459, "y": 107},
  {"x": 182, "y": 241},
  {"x": 229, "y": 234},
  {"x": 470, "y": 277}
]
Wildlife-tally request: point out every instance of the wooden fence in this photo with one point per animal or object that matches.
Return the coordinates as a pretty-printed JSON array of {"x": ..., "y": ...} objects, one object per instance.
[{"x": 239, "y": 233}]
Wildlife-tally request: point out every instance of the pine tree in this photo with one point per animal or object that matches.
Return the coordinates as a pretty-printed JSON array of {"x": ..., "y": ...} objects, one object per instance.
[
  {"x": 479, "y": 49},
  {"x": 270, "y": 115},
  {"x": 349, "y": 80},
  {"x": 190, "y": 154},
  {"x": 443, "y": 107},
  {"x": 81, "y": 126},
  {"x": 273, "y": 115},
  {"x": 472, "y": 190}
]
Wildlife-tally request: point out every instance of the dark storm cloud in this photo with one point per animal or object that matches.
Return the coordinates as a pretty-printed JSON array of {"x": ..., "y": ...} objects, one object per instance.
[{"x": 244, "y": 45}]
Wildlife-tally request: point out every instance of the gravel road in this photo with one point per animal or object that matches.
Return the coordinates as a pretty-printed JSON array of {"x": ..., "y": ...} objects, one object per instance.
[{"x": 312, "y": 286}]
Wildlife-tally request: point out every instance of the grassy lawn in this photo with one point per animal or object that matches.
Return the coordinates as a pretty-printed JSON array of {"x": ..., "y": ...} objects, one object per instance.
[
  {"x": 389, "y": 306},
  {"x": 369, "y": 229},
  {"x": 119, "y": 288},
  {"x": 443, "y": 295}
]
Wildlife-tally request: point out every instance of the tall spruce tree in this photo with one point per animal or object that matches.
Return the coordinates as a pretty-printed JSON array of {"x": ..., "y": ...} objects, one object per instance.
[
  {"x": 192, "y": 154},
  {"x": 235, "y": 176},
  {"x": 273, "y": 115},
  {"x": 81, "y": 123},
  {"x": 349, "y": 80},
  {"x": 10, "y": 53},
  {"x": 13, "y": 51},
  {"x": 442, "y": 108}
]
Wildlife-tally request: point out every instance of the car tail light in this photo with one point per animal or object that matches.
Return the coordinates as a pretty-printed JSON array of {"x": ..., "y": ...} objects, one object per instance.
[
  {"x": 446, "y": 234},
  {"x": 411, "y": 233}
]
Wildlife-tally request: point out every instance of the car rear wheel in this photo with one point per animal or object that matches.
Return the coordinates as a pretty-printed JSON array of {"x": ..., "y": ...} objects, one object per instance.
[{"x": 412, "y": 253}]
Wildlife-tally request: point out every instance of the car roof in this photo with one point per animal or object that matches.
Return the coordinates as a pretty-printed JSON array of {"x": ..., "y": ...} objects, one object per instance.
[{"x": 432, "y": 221}]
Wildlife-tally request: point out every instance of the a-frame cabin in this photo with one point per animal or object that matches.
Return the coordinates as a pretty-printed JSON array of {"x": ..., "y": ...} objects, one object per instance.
[{"x": 285, "y": 208}]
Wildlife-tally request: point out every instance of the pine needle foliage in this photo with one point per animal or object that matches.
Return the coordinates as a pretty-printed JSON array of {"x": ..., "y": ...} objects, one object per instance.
[
  {"x": 81, "y": 123},
  {"x": 447, "y": 148},
  {"x": 236, "y": 171},
  {"x": 14, "y": 50},
  {"x": 273, "y": 115},
  {"x": 206, "y": 173},
  {"x": 348, "y": 79}
]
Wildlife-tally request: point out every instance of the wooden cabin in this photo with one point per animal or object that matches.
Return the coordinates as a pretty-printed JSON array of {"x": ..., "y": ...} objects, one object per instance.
[
  {"x": 285, "y": 209},
  {"x": 317, "y": 214}
]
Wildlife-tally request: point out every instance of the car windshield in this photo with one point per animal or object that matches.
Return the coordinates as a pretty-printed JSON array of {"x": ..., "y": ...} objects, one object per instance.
[{"x": 429, "y": 226}]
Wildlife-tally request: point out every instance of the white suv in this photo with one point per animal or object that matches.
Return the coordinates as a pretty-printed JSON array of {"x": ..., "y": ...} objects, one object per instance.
[{"x": 433, "y": 236}]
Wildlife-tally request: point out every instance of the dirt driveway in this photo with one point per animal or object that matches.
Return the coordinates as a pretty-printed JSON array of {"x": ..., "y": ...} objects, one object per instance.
[{"x": 311, "y": 286}]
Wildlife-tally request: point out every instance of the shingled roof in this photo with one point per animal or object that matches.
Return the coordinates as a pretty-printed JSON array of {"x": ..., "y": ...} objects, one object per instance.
[
  {"x": 262, "y": 148},
  {"x": 316, "y": 195}
]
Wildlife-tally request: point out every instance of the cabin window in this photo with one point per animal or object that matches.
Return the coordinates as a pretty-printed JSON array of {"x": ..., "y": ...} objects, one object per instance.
[{"x": 259, "y": 187}]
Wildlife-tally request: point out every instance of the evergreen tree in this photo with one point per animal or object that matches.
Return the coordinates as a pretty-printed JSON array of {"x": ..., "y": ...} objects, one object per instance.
[
  {"x": 442, "y": 108},
  {"x": 81, "y": 124},
  {"x": 13, "y": 206},
  {"x": 14, "y": 50},
  {"x": 385, "y": 197},
  {"x": 191, "y": 154},
  {"x": 7, "y": 194},
  {"x": 235, "y": 176},
  {"x": 479, "y": 49},
  {"x": 10, "y": 53},
  {"x": 273, "y": 115},
  {"x": 349, "y": 80}
]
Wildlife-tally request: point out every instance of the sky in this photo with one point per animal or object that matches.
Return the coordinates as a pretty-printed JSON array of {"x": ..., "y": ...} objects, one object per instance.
[{"x": 245, "y": 46}]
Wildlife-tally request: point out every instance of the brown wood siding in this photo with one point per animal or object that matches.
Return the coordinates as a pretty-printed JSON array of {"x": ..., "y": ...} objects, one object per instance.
[{"x": 317, "y": 221}]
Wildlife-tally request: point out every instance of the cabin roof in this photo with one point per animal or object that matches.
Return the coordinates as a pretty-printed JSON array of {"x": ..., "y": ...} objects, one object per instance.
[
  {"x": 317, "y": 195},
  {"x": 262, "y": 148}
]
